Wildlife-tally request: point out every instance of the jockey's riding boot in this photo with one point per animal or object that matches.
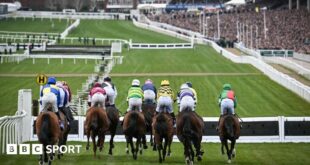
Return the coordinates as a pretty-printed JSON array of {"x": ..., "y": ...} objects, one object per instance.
[
  {"x": 173, "y": 118},
  {"x": 218, "y": 123},
  {"x": 61, "y": 124}
]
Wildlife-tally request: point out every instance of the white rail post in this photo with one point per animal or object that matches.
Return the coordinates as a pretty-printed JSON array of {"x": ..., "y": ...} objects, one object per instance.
[
  {"x": 25, "y": 104},
  {"x": 281, "y": 128}
]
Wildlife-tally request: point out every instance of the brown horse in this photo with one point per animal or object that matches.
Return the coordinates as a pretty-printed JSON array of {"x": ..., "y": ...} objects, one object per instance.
[
  {"x": 48, "y": 131},
  {"x": 113, "y": 115},
  {"x": 189, "y": 131},
  {"x": 96, "y": 124},
  {"x": 229, "y": 129},
  {"x": 148, "y": 112},
  {"x": 134, "y": 127},
  {"x": 163, "y": 130}
]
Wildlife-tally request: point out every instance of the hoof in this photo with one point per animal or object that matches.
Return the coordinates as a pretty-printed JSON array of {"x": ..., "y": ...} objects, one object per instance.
[
  {"x": 110, "y": 152},
  {"x": 87, "y": 147},
  {"x": 40, "y": 162},
  {"x": 135, "y": 157},
  {"x": 199, "y": 158},
  {"x": 140, "y": 152},
  {"x": 228, "y": 161},
  {"x": 168, "y": 154},
  {"x": 145, "y": 147}
]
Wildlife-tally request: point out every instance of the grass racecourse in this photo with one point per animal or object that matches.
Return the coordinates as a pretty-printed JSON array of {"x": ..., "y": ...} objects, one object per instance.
[
  {"x": 257, "y": 95},
  {"x": 36, "y": 25}
]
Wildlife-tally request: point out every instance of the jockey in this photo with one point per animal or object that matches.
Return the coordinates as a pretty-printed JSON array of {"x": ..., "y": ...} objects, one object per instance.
[
  {"x": 96, "y": 95},
  {"x": 111, "y": 91},
  {"x": 50, "y": 94},
  {"x": 67, "y": 109},
  {"x": 186, "y": 98},
  {"x": 149, "y": 91},
  {"x": 227, "y": 100},
  {"x": 190, "y": 85},
  {"x": 165, "y": 97},
  {"x": 63, "y": 95},
  {"x": 135, "y": 96}
]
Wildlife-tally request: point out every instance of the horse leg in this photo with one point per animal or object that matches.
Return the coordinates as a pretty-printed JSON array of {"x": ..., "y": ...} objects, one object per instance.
[
  {"x": 93, "y": 137},
  {"x": 133, "y": 151},
  {"x": 151, "y": 139},
  {"x": 198, "y": 147},
  {"x": 102, "y": 142},
  {"x": 140, "y": 144},
  {"x": 222, "y": 147},
  {"x": 144, "y": 142},
  {"x": 111, "y": 140},
  {"x": 127, "y": 141},
  {"x": 232, "y": 148},
  {"x": 159, "y": 148},
  {"x": 169, "y": 146},
  {"x": 192, "y": 153},
  {"x": 165, "y": 149},
  {"x": 227, "y": 151},
  {"x": 88, "y": 136}
]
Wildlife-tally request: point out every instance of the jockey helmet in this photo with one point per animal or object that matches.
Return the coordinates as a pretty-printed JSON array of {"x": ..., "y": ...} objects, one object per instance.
[
  {"x": 97, "y": 84},
  {"x": 184, "y": 86},
  {"x": 135, "y": 82},
  {"x": 148, "y": 81},
  {"x": 108, "y": 79},
  {"x": 51, "y": 80},
  {"x": 64, "y": 83},
  {"x": 189, "y": 84},
  {"x": 227, "y": 87},
  {"x": 164, "y": 82}
]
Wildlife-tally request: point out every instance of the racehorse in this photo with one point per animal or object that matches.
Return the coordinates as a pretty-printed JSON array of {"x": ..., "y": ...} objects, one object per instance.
[
  {"x": 96, "y": 124},
  {"x": 48, "y": 131},
  {"x": 113, "y": 115},
  {"x": 189, "y": 131},
  {"x": 229, "y": 129},
  {"x": 148, "y": 110},
  {"x": 163, "y": 130},
  {"x": 134, "y": 127}
]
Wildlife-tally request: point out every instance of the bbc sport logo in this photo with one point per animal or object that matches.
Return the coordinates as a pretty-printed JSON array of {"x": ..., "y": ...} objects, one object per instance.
[{"x": 37, "y": 149}]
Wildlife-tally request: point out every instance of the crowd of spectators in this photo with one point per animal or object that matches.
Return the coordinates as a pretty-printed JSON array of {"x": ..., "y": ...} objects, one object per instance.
[{"x": 285, "y": 29}]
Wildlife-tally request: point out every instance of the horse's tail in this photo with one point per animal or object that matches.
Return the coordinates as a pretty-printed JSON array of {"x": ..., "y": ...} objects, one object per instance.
[
  {"x": 161, "y": 125},
  {"x": 45, "y": 128},
  {"x": 94, "y": 122},
  {"x": 187, "y": 128},
  {"x": 229, "y": 125},
  {"x": 132, "y": 127}
]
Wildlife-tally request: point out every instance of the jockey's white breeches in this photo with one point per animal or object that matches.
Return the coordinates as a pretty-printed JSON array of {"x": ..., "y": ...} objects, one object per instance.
[
  {"x": 227, "y": 105},
  {"x": 164, "y": 101},
  {"x": 98, "y": 98},
  {"x": 49, "y": 98},
  {"x": 149, "y": 95},
  {"x": 110, "y": 94},
  {"x": 134, "y": 102},
  {"x": 187, "y": 102}
]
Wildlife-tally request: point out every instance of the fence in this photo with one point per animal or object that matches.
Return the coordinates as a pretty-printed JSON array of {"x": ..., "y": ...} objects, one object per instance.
[
  {"x": 77, "y": 15},
  {"x": 71, "y": 27},
  {"x": 289, "y": 64},
  {"x": 15, "y": 129},
  {"x": 302, "y": 57}
]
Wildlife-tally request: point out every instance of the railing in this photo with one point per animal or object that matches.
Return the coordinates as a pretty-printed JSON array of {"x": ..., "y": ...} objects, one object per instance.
[
  {"x": 71, "y": 27},
  {"x": 289, "y": 64},
  {"x": 77, "y": 15},
  {"x": 162, "y": 46},
  {"x": 302, "y": 57},
  {"x": 255, "y": 130},
  {"x": 15, "y": 129}
]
